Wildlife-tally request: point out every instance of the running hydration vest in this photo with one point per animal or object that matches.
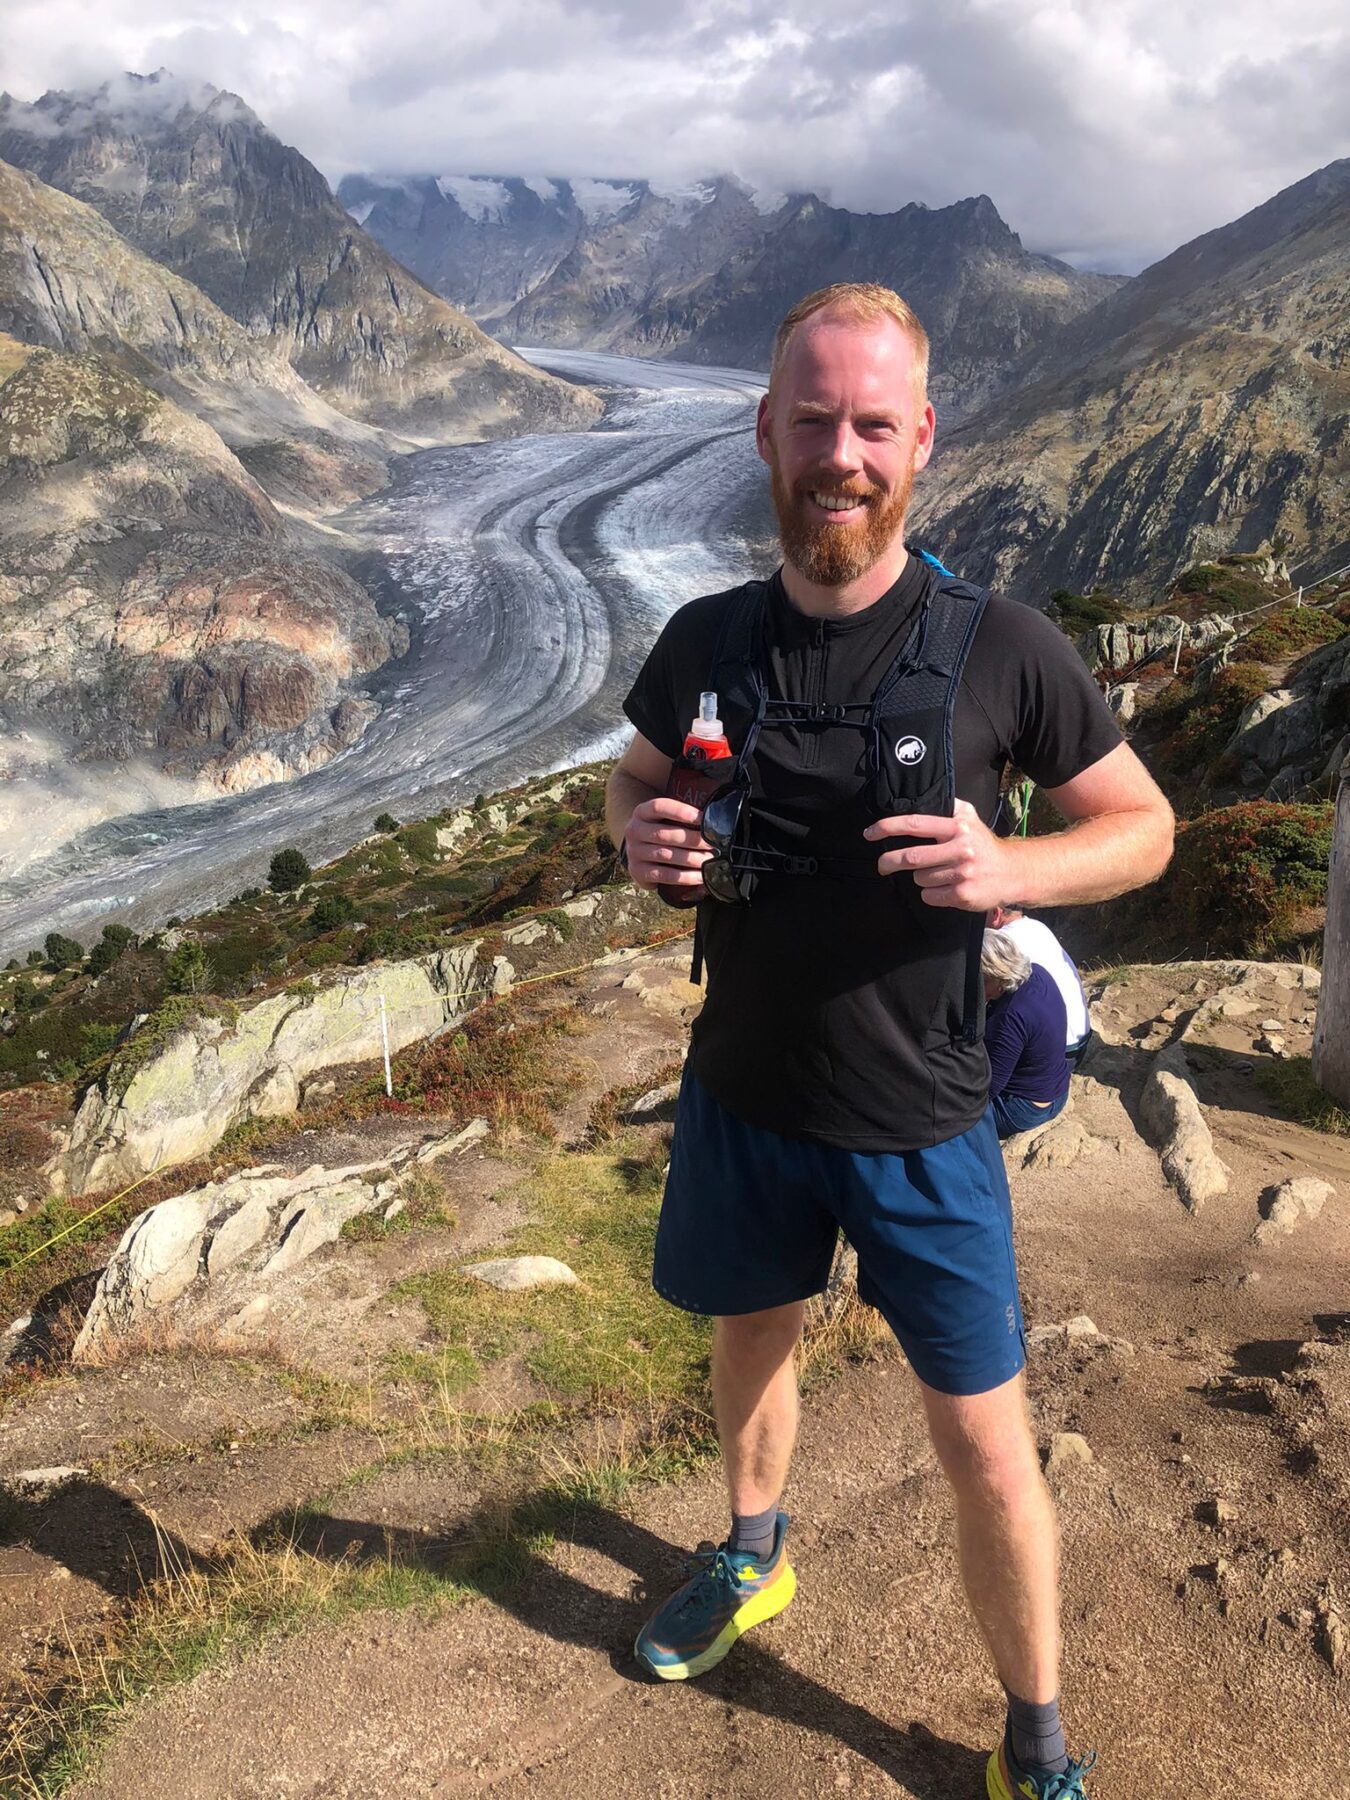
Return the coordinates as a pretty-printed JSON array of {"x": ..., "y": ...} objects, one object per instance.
[{"x": 907, "y": 725}]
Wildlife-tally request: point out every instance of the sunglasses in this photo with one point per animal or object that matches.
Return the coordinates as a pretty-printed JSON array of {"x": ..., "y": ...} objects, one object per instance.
[{"x": 732, "y": 872}]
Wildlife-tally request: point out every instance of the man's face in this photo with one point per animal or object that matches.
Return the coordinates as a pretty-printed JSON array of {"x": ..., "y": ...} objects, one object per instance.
[{"x": 843, "y": 433}]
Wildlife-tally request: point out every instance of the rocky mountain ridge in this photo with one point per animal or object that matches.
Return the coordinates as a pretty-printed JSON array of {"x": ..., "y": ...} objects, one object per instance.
[
  {"x": 704, "y": 273},
  {"x": 1203, "y": 409},
  {"x": 192, "y": 178}
]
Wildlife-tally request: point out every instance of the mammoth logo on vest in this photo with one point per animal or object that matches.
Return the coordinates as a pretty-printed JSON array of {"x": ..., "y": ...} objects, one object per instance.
[{"x": 910, "y": 750}]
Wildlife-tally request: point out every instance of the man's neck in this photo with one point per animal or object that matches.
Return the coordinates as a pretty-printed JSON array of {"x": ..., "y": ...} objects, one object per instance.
[{"x": 819, "y": 602}]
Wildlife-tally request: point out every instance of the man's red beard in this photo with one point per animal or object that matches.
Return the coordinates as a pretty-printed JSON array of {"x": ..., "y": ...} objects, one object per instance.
[{"x": 832, "y": 555}]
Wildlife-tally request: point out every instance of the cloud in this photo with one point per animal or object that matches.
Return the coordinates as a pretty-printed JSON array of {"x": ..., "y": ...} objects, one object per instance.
[{"x": 1108, "y": 130}]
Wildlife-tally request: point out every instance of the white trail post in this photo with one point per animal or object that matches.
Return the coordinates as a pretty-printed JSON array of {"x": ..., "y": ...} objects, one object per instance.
[
  {"x": 1331, "y": 1039},
  {"x": 384, "y": 1033}
]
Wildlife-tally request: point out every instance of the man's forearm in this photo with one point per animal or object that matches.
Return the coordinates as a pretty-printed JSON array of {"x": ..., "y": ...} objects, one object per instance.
[{"x": 1095, "y": 859}]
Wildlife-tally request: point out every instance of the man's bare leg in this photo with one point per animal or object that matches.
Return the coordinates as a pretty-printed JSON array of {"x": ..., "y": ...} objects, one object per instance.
[
  {"x": 754, "y": 1384},
  {"x": 1006, "y": 1529}
]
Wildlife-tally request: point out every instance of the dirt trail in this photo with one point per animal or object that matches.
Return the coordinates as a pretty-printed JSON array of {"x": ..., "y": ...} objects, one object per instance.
[{"x": 1193, "y": 1658}]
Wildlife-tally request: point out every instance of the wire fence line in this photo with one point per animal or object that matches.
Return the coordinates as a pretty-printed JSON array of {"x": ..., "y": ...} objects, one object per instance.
[{"x": 1178, "y": 638}]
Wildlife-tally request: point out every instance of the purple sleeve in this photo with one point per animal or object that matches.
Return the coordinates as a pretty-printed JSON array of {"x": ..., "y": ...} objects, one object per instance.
[{"x": 1004, "y": 1039}]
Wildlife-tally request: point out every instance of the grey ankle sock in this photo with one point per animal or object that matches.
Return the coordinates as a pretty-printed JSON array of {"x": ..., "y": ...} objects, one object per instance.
[
  {"x": 1037, "y": 1736},
  {"x": 754, "y": 1532}
]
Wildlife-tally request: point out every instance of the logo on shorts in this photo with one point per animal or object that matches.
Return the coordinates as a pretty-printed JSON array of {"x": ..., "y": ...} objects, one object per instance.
[
  {"x": 910, "y": 750},
  {"x": 1011, "y": 1316}
]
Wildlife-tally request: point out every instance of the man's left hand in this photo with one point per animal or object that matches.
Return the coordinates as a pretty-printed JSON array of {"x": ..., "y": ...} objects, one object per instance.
[{"x": 965, "y": 865}]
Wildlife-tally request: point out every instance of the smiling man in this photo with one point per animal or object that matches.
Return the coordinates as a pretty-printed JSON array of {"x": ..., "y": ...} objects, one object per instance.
[{"x": 836, "y": 1076}]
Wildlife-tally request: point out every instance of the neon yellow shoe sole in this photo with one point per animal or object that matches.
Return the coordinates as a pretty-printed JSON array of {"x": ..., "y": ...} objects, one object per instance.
[{"x": 759, "y": 1607}]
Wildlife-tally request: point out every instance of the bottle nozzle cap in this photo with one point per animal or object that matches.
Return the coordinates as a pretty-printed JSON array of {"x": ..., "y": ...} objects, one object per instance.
[{"x": 707, "y": 724}]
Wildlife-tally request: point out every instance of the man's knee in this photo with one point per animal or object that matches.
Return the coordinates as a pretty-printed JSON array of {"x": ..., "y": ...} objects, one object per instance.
[
  {"x": 985, "y": 1445},
  {"x": 768, "y": 1336}
]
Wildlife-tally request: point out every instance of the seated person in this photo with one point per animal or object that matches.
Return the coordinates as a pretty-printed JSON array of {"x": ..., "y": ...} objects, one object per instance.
[
  {"x": 1037, "y": 941},
  {"x": 1024, "y": 1036}
]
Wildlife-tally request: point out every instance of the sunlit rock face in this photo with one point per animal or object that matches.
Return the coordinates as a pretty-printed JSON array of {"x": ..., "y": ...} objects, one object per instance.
[{"x": 152, "y": 606}]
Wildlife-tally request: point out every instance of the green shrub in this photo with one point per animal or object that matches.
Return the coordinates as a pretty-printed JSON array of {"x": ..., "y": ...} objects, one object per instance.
[
  {"x": 27, "y": 996},
  {"x": 330, "y": 911},
  {"x": 1195, "y": 723},
  {"x": 386, "y": 822},
  {"x": 1291, "y": 633},
  {"x": 96, "y": 1040},
  {"x": 1243, "y": 874},
  {"x": 1224, "y": 587},
  {"x": 1246, "y": 880},
  {"x": 1077, "y": 613},
  {"x": 62, "y": 952},
  {"x": 287, "y": 871},
  {"x": 419, "y": 842}
]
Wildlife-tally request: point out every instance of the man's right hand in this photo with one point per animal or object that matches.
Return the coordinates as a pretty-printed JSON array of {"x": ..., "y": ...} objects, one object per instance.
[{"x": 665, "y": 848}]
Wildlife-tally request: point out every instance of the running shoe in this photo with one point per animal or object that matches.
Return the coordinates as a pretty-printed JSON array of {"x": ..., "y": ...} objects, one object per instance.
[
  {"x": 1005, "y": 1779},
  {"x": 727, "y": 1593}
]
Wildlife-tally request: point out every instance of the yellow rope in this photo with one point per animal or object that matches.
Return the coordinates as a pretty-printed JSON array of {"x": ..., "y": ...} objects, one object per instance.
[{"x": 85, "y": 1218}]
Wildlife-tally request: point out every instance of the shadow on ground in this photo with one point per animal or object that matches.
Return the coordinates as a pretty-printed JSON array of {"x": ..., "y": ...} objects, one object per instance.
[{"x": 100, "y": 1535}]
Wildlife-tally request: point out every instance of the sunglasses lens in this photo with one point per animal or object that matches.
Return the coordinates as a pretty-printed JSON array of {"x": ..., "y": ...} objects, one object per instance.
[
  {"x": 721, "y": 816},
  {"x": 719, "y": 880}
]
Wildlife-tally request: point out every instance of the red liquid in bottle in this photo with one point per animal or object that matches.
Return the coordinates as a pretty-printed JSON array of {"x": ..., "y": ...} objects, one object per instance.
[{"x": 703, "y": 766}]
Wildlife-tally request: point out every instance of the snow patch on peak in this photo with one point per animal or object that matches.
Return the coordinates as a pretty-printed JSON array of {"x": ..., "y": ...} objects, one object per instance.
[
  {"x": 767, "y": 200},
  {"x": 601, "y": 199},
  {"x": 475, "y": 195},
  {"x": 686, "y": 198},
  {"x": 540, "y": 184}
]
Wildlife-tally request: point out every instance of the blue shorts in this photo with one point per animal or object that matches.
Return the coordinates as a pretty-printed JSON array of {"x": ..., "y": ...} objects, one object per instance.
[{"x": 750, "y": 1220}]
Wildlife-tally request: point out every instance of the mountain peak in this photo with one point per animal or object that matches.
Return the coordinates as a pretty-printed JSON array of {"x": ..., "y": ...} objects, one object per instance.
[{"x": 129, "y": 102}]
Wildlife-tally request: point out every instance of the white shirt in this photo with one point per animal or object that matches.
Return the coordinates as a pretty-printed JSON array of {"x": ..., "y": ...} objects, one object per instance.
[{"x": 1040, "y": 945}]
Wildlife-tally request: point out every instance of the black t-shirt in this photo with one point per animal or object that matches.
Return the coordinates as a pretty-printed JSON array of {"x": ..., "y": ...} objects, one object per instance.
[{"x": 834, "y": 1006}]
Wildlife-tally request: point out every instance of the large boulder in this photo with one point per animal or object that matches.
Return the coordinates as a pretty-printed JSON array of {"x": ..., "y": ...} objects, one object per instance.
[
  {"x": 1177, "y": 1127},
  {"x": 178, "y": 1101}
]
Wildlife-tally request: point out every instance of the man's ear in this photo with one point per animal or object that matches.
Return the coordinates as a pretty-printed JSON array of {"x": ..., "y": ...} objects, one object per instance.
[
  {"x": 762, "y": 441},
  {"x": 923, "y": 438}
]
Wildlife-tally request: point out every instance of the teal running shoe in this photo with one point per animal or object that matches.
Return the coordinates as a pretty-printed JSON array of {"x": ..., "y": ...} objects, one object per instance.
[
  {"x": 727, "y": 1593},
  {"x": 1005, "y": 1779}
]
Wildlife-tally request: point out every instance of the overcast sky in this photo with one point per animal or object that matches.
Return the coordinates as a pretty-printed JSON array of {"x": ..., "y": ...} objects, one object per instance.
[{"x": 1106, "y": 131}]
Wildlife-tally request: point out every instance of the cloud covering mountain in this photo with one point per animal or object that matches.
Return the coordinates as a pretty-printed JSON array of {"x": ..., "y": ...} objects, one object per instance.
[{"x": 1109, "y": 133}]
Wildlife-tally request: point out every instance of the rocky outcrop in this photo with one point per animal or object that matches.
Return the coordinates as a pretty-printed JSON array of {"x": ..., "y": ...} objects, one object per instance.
[
  {"x": 1298, "y": 733},
  {"x": 1124, "y": 645},
  {"x": 219, "y": 1248},
  {"x": 1201, "y": 409},
  {"x": 191, "y": 176},
  {"x": 175, "y": 1098},
  {"x": 1301, "y": 1197},
  {"x": 69, "y": 282},
  {"x": 1176, "y": 1125}
]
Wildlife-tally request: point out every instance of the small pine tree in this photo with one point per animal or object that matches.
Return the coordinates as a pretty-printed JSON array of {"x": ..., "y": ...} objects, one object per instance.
[
  {"x": 115, "y": 939},
  {"x": 386, "y": 822},
  {"x": 189, "y": 970},
  {"x": 62, "y": 952},
  {"x": 287, "y": 872}
]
